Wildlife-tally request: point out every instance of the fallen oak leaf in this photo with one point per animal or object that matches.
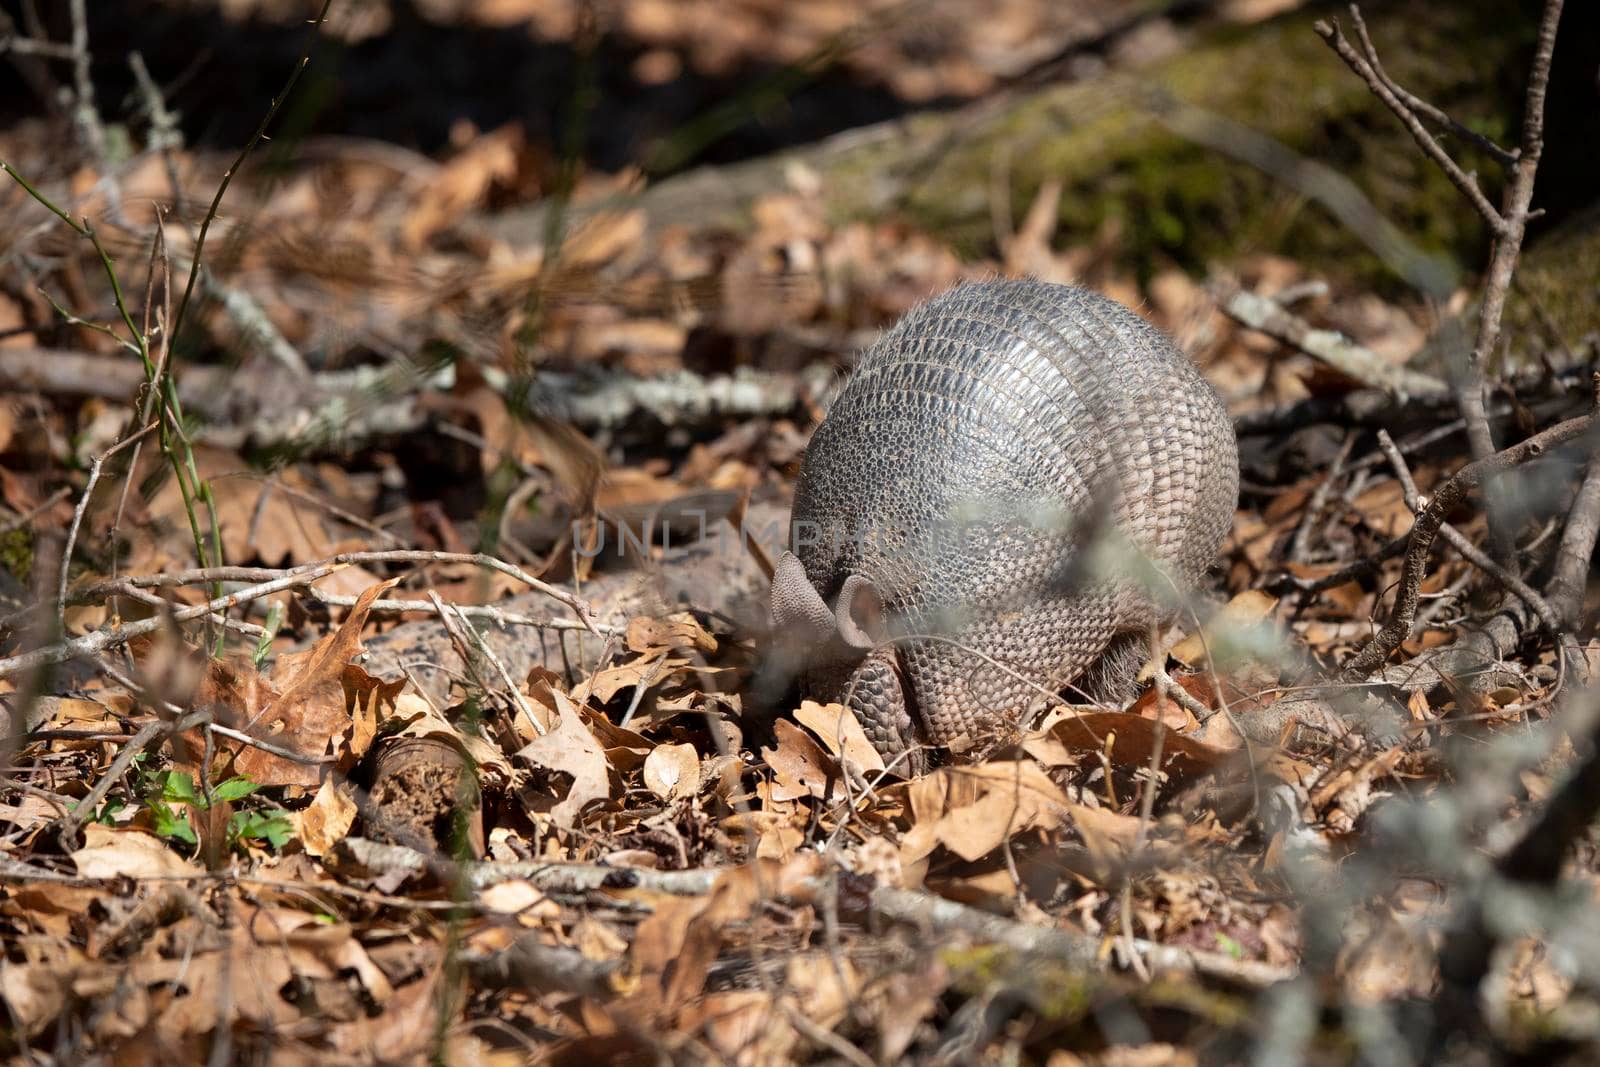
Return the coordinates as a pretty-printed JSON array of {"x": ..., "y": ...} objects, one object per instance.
[
  {"x": 1130, "y": 740},
  {"x": 327, "y": 819},
  {"x": 799, "y": 765},
  {"x": 840, "y": 732},
  {"x": 573, "y": 750},
  {"x": 1239, "y": 621},
  {"x": 299, "y": 707},
  {"x": 127, "y": 853},
  {"x": 974, "y": 810},
  {"x": 681, "y": 632}
]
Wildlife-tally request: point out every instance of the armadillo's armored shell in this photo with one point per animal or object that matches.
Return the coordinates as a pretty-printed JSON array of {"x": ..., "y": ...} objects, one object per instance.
[{"x": 993, "y": 432}]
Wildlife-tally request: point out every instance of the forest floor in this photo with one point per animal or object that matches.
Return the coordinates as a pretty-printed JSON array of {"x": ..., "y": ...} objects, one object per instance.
[{"x": 332, "y": 738}]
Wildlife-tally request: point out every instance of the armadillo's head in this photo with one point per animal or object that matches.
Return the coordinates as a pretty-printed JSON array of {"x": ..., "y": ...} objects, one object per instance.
[{"x": 841, "y": 653}]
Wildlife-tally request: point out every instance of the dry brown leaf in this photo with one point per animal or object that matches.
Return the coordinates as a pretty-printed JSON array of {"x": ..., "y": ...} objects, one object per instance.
[
  {"x": 420, "y": 719},
  {"x": 463, "y": 182},
  {"x": 1108, "y": 836},
  {"x": 127, "y": 853},
  {"x": 301, "y": 707},
  {"x": 672, "y": 772},
  {"x": 1242, "y": 613},
  {"x": 1129, "y": 741},
  {"x": 681, "y": 632},
  {"x": 973, "y": 810},
  {"x": 799, "y": 765},
  {"x": 521, "y": 898},
  {"x": 840, "y": 732},
  {"x": 325, "y": 821},
  {"x": 573, "y": 750}
]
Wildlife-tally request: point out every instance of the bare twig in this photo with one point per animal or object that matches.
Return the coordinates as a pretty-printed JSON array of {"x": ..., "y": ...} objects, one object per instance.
[
  {"x": 465, "y": 628},
  {"x": 1576, "y": 549},
  {"x": 84, "y": 114},
  {"x": 1300, "y": 546},
  {"x": 1367, "y": 68},
  {"x": 1470, "y": 552},
  {"x": 27, "y": 517},
  {"x": 487, "y": 612},
  {"x": 1454, "y": 489},
  {"x": 79, "y": 512},
  {"x": 1420, "y": 106},
  {"x": 100, "y": 640},
  {"x": 67, "y": 826},
  {"x": 1515, "y": 204},
  {"x": 321, "y": 568}
]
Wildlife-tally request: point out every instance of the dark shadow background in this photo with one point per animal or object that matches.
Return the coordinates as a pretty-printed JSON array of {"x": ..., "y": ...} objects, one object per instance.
[{"x": 580, "y": 100}]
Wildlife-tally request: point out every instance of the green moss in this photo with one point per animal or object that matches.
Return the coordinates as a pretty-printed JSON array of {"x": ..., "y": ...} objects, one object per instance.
[
  {"x": 1177, "y": 201},
  {"x": 1561, "y": 275},
  {"x": 1218, "y": 1008},
  {"x": 16, "y": 553},
  {"x": 1058, "y": 992}
]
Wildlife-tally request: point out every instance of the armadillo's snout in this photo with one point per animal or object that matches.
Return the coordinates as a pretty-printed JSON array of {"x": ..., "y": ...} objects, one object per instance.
[{"x": 843, "y": 656}]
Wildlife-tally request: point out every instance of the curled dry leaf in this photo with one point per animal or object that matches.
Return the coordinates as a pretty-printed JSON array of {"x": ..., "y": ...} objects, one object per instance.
[
  {"x": 301, "y": 706},
  {"x": 1129, "y": 741},
  {"x": 325, "y": 821},
  {"x": 1235, "y": 626},
  {"x": 973, "y": 810},
  {"x": 520, "y": 898},
  {"x": 1108, "y": 836},
  {"x": 799, "y": 765},
  {"x": 681, "y": 632},
  {"x": 672, "y": 772},
  {"x": 415, "y": 717},
  {"x": 571, "y": 749}
]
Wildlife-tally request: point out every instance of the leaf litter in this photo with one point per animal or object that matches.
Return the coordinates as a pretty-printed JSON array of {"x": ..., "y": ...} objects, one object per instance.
[{"x": 609, "y": 859}]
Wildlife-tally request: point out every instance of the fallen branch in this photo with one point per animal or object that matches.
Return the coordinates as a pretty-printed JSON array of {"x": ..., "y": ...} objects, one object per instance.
[
  {"x": 101, "y": 640},
  {"x": 1331, "y": 347},
  {"x": 528, "y": 963}
]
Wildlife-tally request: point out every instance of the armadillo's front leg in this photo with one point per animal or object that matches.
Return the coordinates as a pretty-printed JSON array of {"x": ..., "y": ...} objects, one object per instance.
[{"x": 876, "y": 693}]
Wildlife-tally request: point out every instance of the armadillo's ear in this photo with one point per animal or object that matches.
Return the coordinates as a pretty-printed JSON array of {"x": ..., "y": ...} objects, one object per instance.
[
  {"x": 796, "y": 604},
  {"x": 858, "y": 613}
]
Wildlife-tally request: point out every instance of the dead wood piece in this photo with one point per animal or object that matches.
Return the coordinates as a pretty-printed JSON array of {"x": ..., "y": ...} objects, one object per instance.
[
  {"x": 1547, "y": 398},
  {"x": 267, "y": 405},
  {"x": 528, "y": 963},
  {"x": 1331, "y": 347},
  {"x": 424, "y": 796},
  {"x": 610, "y": 400},
  {"x": 940, "y": 916}
]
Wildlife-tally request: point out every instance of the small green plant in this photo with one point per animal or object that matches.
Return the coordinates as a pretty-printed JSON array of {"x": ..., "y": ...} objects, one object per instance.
[{"x": 168, "y": 794}]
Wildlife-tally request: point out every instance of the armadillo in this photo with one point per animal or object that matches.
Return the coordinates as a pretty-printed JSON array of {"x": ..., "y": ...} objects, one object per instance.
[{"x": 1019, "y": 480}]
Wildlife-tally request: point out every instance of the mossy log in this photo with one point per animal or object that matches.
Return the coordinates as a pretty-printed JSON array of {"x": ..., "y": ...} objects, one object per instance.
[{"x": 1173, "y": 200}]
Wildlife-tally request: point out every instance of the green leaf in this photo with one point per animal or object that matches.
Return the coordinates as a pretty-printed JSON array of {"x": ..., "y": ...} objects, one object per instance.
[
  {"x": 179, "y": 788},
  {"x": 274, "y": 827},
  {"x": 170, "y": 824},
  {"x": 108, "y": 810},
  {"x": 234, "y": 789},
  {"x": 1230, "y": 946},
  {"x": 264, "y": 646}
]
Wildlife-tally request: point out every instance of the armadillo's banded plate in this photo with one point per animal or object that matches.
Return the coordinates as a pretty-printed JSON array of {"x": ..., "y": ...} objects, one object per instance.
[{"x": 980, "y": 444}]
